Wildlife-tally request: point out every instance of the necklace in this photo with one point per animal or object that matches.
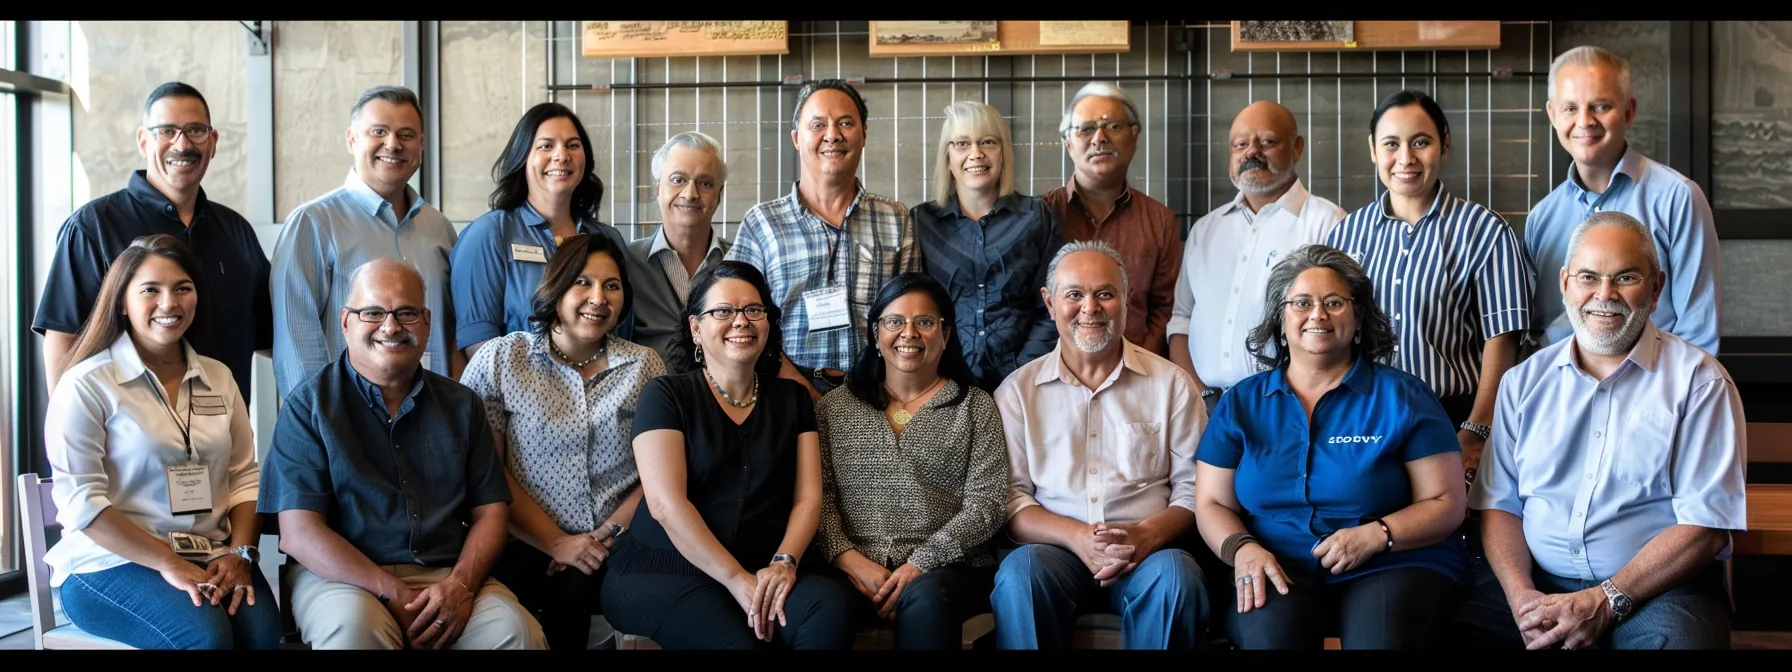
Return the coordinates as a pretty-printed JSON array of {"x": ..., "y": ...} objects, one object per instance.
[
  {"x": 731, "y": 402},
  {"x": 902, "y": 416},
  {"x": 601, "y": 349}
]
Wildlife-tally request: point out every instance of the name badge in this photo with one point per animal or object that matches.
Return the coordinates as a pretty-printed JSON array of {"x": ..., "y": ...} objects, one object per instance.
[
  {"x": 208, "y": 405},
  {"x": 191, "y": 544},
  {"x": 827, "y": 309},
  {"x": 519, "y": 252},
  {"x": 189, "y": 489}
]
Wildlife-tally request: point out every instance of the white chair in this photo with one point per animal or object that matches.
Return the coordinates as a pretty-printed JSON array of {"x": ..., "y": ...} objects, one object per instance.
[{"x": 38, "y": 512}]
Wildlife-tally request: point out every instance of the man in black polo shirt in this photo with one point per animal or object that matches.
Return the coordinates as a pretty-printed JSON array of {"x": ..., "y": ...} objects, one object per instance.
[{"x": 178, "y": 141}]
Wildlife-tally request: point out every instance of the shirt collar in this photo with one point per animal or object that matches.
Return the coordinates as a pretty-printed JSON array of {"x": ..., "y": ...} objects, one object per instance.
[
  {"x": 1645, "y": 354},
  {"x": 129, "y": 365},
  {"x": 143, "y": 192},
  {"x": 1360, "y": 378},
  {"x": 1070, "y": 190},
  {"x": 1293, "y": 201},
  {"x": 371, "y": 392},
  {"x": 1630, "y": 165},
  {"x": 372, "y": 201},
  {"x": 538, "y": 347},
  {"x": 1053, "y": 366},
  {"x": 661, "y": 245},
  {"x": 795, "y": 200},
  {"x": 1385, "y": 203},
  {"x": 951, "y": 211}
]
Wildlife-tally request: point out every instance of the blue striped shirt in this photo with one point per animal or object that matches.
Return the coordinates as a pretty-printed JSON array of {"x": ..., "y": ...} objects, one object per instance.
[
  {"x": 795, "y": 248},
  {"x": 1448, "y": 283}
]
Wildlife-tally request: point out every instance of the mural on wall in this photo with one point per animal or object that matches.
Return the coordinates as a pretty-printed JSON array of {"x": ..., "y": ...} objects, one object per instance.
[
  {"x": 1751, "y": 114},
  {"x": 1297, "y": 31}
]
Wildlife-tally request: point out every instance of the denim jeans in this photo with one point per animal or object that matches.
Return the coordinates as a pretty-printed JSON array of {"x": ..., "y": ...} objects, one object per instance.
[
  {"x": 131, "y": 603},
  {"x": 1692, "y": 615},
  {"x": 1040, "y": 590}
]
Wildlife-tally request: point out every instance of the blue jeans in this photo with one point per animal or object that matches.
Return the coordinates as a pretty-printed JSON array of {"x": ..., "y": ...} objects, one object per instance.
[
  {"x": 131, "y": 603},
  {"x": 1692, "y": 615},
  {"x": 1040, "y": 590}
]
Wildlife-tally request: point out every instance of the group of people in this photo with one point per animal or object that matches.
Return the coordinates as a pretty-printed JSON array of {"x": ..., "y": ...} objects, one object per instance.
[{"x": 1409, "y": 426}]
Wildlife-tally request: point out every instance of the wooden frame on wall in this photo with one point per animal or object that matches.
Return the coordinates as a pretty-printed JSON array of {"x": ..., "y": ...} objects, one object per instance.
[
  {"x": 657, "y": 39},
  {"x": 1389, "y": 36},
  {"x": 1020, "y": 38}
]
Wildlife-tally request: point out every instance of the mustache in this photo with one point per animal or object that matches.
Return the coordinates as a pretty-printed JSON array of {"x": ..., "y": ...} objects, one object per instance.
[
  {"x": 177, "y": 155},
  {"x": 1255, "y": 163},
  {"x": 1613, "y": 306}
]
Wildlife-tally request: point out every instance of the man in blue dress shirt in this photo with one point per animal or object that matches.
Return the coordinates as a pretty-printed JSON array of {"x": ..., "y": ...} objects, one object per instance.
[
  {"x": 1591, "y": 107},
  {"x": 1615, "y": 473}
]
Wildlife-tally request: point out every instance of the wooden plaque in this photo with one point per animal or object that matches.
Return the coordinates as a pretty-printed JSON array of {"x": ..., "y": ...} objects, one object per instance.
[
  {"x": 654, "y": 39},
  {"x": 1391, "y": 35},
  {"x": 1022, "y": 38}
]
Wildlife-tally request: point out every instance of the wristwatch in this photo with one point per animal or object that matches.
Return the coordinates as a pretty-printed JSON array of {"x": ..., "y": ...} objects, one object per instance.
[
  {"x": 1480, "y": 430},
  {"x": 250, "y": 553},
  {"x": 784, "y": 557},
  {"x": 1620, "y": 603}
]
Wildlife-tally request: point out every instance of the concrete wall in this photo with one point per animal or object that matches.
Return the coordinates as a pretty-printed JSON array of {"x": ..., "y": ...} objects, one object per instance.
[{"x": 320, "y": 67}]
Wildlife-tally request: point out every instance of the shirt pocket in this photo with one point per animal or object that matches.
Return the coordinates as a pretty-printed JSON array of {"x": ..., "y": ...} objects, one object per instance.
[
  {"x": 1643, "y": 449},
  {"x": 1141, "y": 457},
  {"x": 873, "y": 264}
]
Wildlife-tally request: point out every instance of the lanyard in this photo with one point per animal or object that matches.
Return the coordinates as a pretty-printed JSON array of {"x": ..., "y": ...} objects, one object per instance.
[{"x": 186, "y": 430}]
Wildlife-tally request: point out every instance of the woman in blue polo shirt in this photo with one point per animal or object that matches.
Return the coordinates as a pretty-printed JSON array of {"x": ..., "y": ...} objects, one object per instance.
[{"x": 1332, "y": 482}]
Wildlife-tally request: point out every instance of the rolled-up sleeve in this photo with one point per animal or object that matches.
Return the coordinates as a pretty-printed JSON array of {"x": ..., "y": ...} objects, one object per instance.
[
  {"x": 297, "y": 473},
  {"x": 245, "y": 471},
  {"x": 477, "y": 280},
  {"x": 1496, "y": 482},
  {"x": 985, "y": 487},
  {"x": 1188, "y": 415},
  {"x": 75, "y": 443},
  {"x": 1014, "y": 432},
  {"x": 300, "y": 281},
  {"x": 1503, "y": 286},
  {"x": 1710, "y": 460}
]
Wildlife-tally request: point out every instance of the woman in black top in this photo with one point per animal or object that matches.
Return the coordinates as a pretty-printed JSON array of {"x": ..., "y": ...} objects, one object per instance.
[{"x": 731, "y": 474}]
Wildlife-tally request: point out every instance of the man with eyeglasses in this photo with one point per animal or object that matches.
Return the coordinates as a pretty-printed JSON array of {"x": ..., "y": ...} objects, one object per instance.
[
  {"x": 178, "y": 142},
  {"x": 374, "y": 214},
  {"x": 1101, "y": 130},
  {"x": 388, "y": 490},
  {"x": 688, "y": 173}
]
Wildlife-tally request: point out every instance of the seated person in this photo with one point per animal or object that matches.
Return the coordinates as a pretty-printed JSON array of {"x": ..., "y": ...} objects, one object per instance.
[
  {"x": 914, "y": 471},
  {"x": 136, "y": 412},
  {"x": 561, "y": 399},
  {"x": 1101, "y": 452},
  {"x": 731, "y": 476},
  {"x": 1615, "y": 473},
  {"x": 388, "y": 492},
  {"x": 1332, "y": 482}
]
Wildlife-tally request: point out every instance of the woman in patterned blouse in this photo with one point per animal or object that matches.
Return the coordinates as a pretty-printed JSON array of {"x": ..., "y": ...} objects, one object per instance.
[
  {"x": 561, "y": 399},
  {"x": 914, "y": 471}
]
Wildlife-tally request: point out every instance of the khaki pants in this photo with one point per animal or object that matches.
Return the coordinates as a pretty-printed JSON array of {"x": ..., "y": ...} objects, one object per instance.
[{"x": 332, "y": 615}]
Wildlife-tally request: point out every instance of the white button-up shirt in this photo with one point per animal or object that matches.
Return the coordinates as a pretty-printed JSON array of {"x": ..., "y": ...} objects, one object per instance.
[
  {"x": 1225, "y": 269},
  {"x": 1118, "y": 453},
  {"x": 110, "y": 437}
]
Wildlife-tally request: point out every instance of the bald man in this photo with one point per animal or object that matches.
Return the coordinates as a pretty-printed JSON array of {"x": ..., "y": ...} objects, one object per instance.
[
  {"x": 1226, "y": 261},
  {"x": 388, "y": 491}
]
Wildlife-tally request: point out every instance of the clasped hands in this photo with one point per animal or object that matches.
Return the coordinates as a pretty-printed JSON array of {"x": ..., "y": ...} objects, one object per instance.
[
  {"x": 1110, "y": 550},
  {"x": 1573, "y": 620}
]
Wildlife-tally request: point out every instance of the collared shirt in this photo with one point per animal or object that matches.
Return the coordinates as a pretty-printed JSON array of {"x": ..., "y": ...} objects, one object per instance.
[
  {"x": 110, "y": 436},
  {"x": 994, "y": 268},
  {"x": 322, "y": 243},
  {"x": 799, "y": 251},
  {"x": 402, "y": 489},
  {"x": 1118, "y": 453},
  {"x": 1300, "y": 479},
  {"x": 238, "y": 313},
  {"x": 493, "y": 288},
  {"x": 1597, "y": 468},
  {"x": 661, "y": 288},
  {"x": 1149, "y": 239},
  {"x": 566, "y": 438},
  {"x": 1448, "y": 283},
  {"x": 1225, "y": 270},
  {"x": 931, "y": 495},
  {"x": 1680, "y": 221}
]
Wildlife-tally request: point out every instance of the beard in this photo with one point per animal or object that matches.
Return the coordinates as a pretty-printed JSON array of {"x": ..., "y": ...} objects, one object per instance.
[
  {"x": 1093, "y": 344},
  {"x": 1609, "y": 343},
  {"x": 1277, "y": 180}
]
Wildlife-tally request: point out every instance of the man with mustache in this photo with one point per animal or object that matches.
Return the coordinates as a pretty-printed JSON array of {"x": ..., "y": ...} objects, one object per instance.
[
  {"x": 1230, "y": 251},
  {"x": 178, "y": 142},
  {"x": 689, "y": 174},
  {"x": 1591, "y": 107},
  {"x": 1101, "y": 130},
  {"x": 1615, "y": 473},
  {"x": 1101, "y": 461},
  {"x": 374, "y": 214},
  {"x": 388, "y": 490}
]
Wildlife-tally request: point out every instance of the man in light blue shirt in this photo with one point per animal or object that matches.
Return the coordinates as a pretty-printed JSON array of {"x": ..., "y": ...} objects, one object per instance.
[
  {"x": 1615, "y": 472},
  {"x": 374, "y": 214},
  {"x": 1591, "y": 107}
]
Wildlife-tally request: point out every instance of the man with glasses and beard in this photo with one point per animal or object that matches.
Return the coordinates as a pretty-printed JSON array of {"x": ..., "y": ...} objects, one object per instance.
[
  {"x": 1230, "y": 251},
  {"x": 1614, "y": 476}
]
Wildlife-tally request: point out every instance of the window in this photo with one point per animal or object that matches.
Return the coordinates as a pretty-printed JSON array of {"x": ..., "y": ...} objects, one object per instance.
[{"x": 10, "y": 312}]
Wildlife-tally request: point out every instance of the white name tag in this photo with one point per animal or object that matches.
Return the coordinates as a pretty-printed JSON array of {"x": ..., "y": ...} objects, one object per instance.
[
  {"x": 827, "y": 309},
  {"x": 520, "y": 252},
  {"x": 189, "y": 489}
]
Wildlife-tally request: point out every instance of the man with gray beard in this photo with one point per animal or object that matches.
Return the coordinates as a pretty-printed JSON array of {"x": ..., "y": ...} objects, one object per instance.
[
  {"x": 1614, "y": 475},
  {"x": 1230, "y": 251}
]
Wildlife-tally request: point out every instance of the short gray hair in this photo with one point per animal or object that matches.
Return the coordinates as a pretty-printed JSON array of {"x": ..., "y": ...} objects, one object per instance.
[
  {"x": 1591, "y": 56},
  {"x": 1621, "y": 220},
  {"x": 1104, "y": 90},
  {"x": 1051, "y": 271},
  {"x": 397, "y": 95},
  {"x": 687, "y": 140}
]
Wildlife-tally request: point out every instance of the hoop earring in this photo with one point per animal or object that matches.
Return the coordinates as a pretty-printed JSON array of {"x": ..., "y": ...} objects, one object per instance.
[{"x": 699, "y": 350}]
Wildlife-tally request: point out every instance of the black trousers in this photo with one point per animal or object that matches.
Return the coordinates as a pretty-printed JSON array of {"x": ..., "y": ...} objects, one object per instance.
[
  {"x": 932, "y": 609},
  {"x": 563, "y": 603},
  {"x": 1402, "y": 608},
  {"x": 685, "y": 611}
]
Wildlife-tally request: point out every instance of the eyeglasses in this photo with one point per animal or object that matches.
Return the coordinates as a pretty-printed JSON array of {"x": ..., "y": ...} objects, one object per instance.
[
  {"x": 377, "y": 315},
  {"x": 1112, "y": 126},
  {"x": 754, "y": 313},
  {"x": 925, "y": 324},
  {"x": 196, "y": 133},
  {"x": 1588, "y": 280},
  {"x": 1333, "y": 305}
]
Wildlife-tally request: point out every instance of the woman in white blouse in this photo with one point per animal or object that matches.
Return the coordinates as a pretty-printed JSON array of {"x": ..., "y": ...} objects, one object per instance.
[
  {"x": 154, "y": 471},
  {"x": 561, "y": 401}
]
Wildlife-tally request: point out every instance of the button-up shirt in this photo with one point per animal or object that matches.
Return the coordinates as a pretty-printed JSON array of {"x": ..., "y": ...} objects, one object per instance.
[
  {"x": 494, "y": 287},
  {"x": 1149, "y": 239},
  {"x": 238, "y": 312},
  {"x": 993, "y": 267},
  {"x": 1597, "y": 468},
  {"x": 799, "y": 251},
  {"x": 660, "y": 287},
  {"x": 1225, "y": 268},
  {"x": 1447, "y": 283},
  {"x": 1118, "y": 453},
  {"x": 1680, "y": 221},
  {"x": 322, "y": 243},
  {"x": 400, "y": 489},
  {"x": 110, "y": 435}
]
